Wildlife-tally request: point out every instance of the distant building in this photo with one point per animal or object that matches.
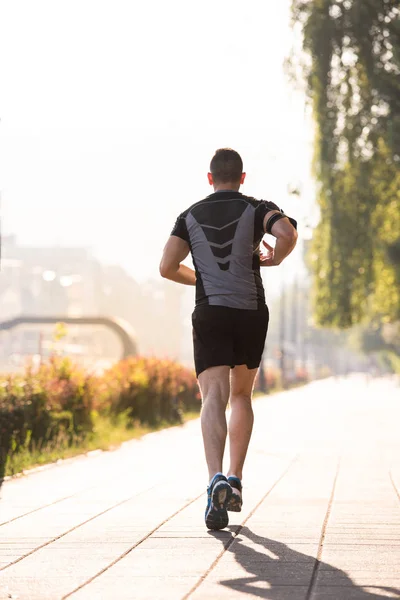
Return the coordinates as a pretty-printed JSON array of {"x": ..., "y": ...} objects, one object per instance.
[
  {"x": 43, "y": 282},
  {"x": 53, "y": 281}
]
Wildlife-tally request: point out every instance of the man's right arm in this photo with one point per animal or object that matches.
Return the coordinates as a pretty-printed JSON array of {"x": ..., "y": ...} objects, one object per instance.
[
  {"x": 280, "y": 227},
  {"x": 175, "y": 251}
]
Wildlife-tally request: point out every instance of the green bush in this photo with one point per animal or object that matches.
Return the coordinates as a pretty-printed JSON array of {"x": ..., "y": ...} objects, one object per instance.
[
  {"x": 151, "y": 391},
  {"x": 53, "y": 406}
]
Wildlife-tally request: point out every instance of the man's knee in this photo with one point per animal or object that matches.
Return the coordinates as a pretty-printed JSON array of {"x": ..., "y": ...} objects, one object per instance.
[
  {"x": 215, "y": 396},
  {"x": 240, "y": 398},
  {"x": 214, "y": 385}
]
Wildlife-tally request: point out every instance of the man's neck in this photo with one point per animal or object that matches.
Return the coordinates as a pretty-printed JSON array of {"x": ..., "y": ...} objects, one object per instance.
[{"x": 226, "y": 187}]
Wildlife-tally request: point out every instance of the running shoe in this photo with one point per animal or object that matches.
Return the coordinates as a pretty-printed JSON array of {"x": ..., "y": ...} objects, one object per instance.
[
  {"x": 236, "y": 500},
  {"x": 218, "y": 494}
]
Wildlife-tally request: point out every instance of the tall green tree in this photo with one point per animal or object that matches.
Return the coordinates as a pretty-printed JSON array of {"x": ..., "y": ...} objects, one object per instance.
[{"x": 351, "y": 61}]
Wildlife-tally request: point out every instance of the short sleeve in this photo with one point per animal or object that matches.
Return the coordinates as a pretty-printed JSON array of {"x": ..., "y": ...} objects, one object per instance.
[
  {"x": 180, "y": 229},
  {"x": 265, "y": 207}
]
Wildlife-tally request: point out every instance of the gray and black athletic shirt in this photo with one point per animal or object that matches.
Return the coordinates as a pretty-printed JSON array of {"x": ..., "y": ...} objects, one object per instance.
[{"x": 224, "y": 232}]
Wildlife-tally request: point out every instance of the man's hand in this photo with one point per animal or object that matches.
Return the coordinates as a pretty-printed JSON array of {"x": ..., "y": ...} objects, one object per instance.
[
  {"x": 286, "y": 238},
  {"x": 267, "y": 258}
]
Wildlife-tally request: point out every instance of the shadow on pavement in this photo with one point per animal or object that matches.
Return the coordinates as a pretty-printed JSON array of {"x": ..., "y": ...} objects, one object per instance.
[{"x": 277, "y": 572}]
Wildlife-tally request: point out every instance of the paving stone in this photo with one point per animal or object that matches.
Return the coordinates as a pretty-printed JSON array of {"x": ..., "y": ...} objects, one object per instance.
[
  {"x": 139, "y": 549},
  {"x": 248, "y": 588}
]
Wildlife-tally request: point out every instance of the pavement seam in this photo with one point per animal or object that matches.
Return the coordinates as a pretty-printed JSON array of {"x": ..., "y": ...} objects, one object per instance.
[
  {"x": 46, "y": 506},
  {"x": 317, "y": 563},
  {"x": 80, "y": 491},
  {"x": 394, "y": 484},
  {"x": 58, "y": 537},
  {"x": 237, "y": 532},
  {"x": 119, "y": 558},
  {"x": 70, "y": 460},
  {"x": 77, "y": 493}
]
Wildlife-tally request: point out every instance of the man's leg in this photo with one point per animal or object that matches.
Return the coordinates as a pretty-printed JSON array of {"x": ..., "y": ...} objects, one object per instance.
[
  {"x": 241, "y": 419},
  {"x": 214, "y": 387}
]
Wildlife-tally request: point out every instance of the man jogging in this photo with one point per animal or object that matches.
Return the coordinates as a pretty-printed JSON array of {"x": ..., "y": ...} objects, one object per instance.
[{"x": 223, "y": 232}]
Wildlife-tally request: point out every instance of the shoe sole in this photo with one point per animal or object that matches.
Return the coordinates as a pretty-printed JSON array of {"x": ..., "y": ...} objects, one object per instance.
[
  {"x": 235, "y": 503},
  {"x": 217, "y": 517}
]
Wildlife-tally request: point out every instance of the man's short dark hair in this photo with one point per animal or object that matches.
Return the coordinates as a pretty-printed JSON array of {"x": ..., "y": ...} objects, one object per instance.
[{"x": 226, "y": 166}]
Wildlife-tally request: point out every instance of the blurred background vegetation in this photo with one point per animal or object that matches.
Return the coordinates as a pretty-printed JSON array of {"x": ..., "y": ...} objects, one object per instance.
[
  {"x": 334, "y": 311},
  {"x": 61, "y": 409},
  {"x": 349, "y": 61}
]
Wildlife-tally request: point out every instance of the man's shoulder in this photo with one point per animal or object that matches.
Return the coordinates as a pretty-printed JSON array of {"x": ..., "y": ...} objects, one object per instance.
[
  {"x": 260, "y": 203},
  {"x": 256, "y": 203},
  {"x": 251, "y": 200},
  {"x": 191, "y": 207}
]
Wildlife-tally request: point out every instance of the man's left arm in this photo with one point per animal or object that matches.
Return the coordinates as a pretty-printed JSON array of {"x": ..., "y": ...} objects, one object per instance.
[
  {"x": 175, "y": 251},
  {"x": 284, "y": 229}
]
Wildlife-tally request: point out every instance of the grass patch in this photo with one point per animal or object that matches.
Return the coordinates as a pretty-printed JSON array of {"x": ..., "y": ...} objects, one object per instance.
[{"x": 107, "y": 435}]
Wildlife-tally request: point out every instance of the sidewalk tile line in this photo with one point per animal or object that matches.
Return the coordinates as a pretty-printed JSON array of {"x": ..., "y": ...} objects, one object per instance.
[
  {"x": 238, "y": 530},
  {"x": 119, "y": 558},
  {"x": 80, "y": 491},
  {"x": 317, "y": 563},
  {"x": 46, "y": 505},
  {"x": 58, "y": 537}
]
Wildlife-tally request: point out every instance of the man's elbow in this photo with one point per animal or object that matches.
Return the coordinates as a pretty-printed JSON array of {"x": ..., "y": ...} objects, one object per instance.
[
  {"x": 166, "y": 270},
  {"x": 291, "y": 236},
  {"x": 163, "y": 270}
]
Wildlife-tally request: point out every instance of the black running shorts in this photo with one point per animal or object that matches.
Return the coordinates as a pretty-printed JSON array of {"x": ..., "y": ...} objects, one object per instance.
[{"x": 228, "y": 336}]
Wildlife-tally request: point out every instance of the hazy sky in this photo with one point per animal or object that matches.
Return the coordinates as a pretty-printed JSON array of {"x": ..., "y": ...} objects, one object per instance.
[{"x": 111, "y": 110}]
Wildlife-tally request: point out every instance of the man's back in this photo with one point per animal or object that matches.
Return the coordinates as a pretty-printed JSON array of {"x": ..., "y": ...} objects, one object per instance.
[
  {"x": 224, "y": 232},
  {"x": 230, "y": 322}
]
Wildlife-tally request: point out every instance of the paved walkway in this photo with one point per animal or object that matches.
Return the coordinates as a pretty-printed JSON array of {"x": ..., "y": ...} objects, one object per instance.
[{"x": 321, "y": 518}]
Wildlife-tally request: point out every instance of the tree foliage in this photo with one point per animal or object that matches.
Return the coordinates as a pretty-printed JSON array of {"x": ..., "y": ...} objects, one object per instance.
[{"x": 352, "y": 69}]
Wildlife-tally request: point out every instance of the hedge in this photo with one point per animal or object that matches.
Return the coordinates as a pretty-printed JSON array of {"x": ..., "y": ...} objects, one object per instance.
[{"x": 56, "y": 403}]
